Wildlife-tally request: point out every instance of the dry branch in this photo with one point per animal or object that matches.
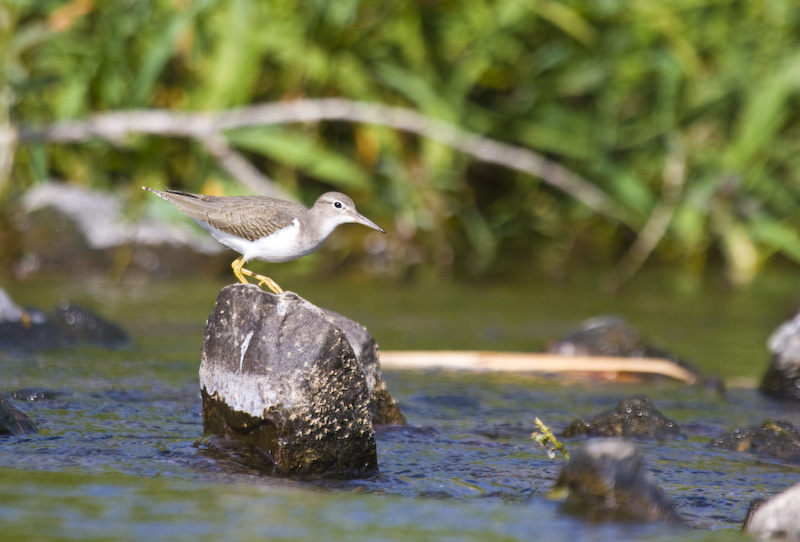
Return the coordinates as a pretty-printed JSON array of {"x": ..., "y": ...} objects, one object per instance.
[
  {"x": 240, "y": 168},
  {"x": 523, "y": 362},
  {"x": 205, "y": 127}
]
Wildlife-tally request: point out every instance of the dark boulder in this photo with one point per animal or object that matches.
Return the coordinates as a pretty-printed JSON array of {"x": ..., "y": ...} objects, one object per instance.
[
  {"x": 606, "y": 479},
  {"x": 66, "y": 326},
  {"x": 778, "y": 440},
  {"x": 14, "y": 421},
  {"x": 35, "y": 332},
  {"x": 87, "y": 327},
  {"x": 613, "y": 336},
  {"x": 606, "y": 336},
  {"x": 279, "y": 375},
  {"x": 610, "y": 335},
  {"x": 635, "y": 416}
]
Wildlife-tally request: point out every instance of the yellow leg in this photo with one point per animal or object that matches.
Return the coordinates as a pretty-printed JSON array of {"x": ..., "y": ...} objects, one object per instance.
[
  {"x": 262, "y": 281},
  {"x": 25, "y": 319},
  {"x": 240, "y": 271},
  {"x": 237, "y": 269}
]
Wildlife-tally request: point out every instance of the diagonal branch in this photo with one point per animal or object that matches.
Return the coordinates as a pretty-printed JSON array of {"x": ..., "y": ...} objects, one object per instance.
[
  {"x": 482, "y": 148},
  {"x": 116, "y": 126},
  {"x": 674, "y": 178},
  {"x": 240, "y": 168}
]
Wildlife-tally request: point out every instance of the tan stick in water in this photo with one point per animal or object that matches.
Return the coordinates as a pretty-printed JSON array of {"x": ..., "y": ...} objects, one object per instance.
[{"x": 531, "y": 362}]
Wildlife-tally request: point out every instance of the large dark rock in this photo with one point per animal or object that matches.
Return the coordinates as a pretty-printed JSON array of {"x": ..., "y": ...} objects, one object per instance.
[
  {"x": 605, "y": 336},
  {"x": 778, "y": 440},
  {"x": 776, "y": 519},
  {"x": 613, "y": 336},
  {"x": 279, "y": 375},
  {"x": 782, "y": 379},
  {"x": 608, "y": 479},
  {"x": 34, "y": 332},
  {"x": 14, "y": 421},
  {"x": 87, "y": 327},
  {"x": 66, "y": 326},
  {"x": 635, "y": 416}
]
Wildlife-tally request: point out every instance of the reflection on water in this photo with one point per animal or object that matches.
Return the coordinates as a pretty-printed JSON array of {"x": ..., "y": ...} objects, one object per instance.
[{"x": 119, "y": 454}]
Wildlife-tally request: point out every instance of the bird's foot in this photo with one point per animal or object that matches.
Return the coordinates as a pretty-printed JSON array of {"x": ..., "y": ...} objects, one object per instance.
[
  {"x": 240, "y": 272},
  {"x": 269, "y": 283},
  {"x": 25, "y": 319},
  {"x": 264, "y": 281}
]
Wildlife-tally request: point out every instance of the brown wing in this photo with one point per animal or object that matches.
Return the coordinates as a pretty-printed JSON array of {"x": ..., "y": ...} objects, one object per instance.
[{"x": 249, "y": 217}]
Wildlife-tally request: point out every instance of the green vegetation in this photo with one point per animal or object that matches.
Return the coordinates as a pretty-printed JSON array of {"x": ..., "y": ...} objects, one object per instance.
[
  {"x": 685, "y": 113},
  {"x": 545, "y": 438}
]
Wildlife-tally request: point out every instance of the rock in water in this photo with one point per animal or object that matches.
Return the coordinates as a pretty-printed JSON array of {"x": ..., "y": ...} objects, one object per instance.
[
  {"x": 607, "y": 479},
  {"x": 782, "y": 379},
  {"x": 777, "y": 518},
  {"x": 278, "y": 376},
  {"x": 87, "y": 327},
  {"x": 635, "y": 416},
  {"x": 67, "y": 326},
  {"x": 13, "y": 421},
  {"x": 774, "y": 439}
]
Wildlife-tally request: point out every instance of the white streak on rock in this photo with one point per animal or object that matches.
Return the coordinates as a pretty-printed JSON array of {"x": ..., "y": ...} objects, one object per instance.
[{"x": 243, "y": 349}]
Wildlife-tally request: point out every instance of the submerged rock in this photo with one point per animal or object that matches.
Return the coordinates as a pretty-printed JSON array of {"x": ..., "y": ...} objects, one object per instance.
[
  {"x": 13, "y": 421},
  {"x": 776, "y": 519},
  {"x": 635, "y": 416},
  {"x": 279, "y": 375},
  {"x": 613, "y": 336},
  {"x": 782, "y": 379},
  {"x": 36, "y": 394},
  {"x": 87, "y": 327},
  {"x": 779, "y": 440},
  {"x": 605, "y": 336},
  {"x": 68, "y": 325},
  {"x": 607, "y": 479}
]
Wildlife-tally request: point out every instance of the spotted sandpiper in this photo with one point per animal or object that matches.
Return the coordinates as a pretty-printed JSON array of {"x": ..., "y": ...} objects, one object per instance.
[{"x": 267, "y": 229}]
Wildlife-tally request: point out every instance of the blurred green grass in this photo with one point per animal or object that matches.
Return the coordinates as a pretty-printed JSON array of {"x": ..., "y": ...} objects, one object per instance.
[{"x": 608, "y": 88}]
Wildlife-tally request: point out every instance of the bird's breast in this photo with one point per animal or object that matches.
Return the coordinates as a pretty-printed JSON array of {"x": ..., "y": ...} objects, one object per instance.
[{"x": 284, "y": 245}]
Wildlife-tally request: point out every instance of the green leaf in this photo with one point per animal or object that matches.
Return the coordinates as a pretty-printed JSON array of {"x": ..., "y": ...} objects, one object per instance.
[
  {"x": 418, "y": 90},
  {"x": 632, "y": 192},
  {"x": 159, "y": 53},
  {"x": 741, "y": 254},
  {"x": 689, "y": 225},
  {"x": 303, "y": 153},
  {"x": 568, "y": 20},
  {"x": 777, "y": 236},
  {"x": 766, "y": 110},
  {"x": 558, "y": 131},
  {"x": 234, "y": 64},
  {"x": 480, "y": 236}
]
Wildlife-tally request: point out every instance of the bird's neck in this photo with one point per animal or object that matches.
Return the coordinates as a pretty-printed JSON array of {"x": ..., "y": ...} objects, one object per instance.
[{"x": 315, "y": 232}]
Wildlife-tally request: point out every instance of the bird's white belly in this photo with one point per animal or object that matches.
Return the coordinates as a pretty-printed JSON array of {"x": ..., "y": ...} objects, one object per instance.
[{"x": 282, "y": 246}]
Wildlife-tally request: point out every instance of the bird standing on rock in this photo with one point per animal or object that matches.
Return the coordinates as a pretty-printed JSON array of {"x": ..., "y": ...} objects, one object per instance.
[{"x": 267, "y": 229}]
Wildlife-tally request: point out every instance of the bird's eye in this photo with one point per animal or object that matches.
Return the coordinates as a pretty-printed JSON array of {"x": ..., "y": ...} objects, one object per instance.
[{"x": 337, "y": 204}]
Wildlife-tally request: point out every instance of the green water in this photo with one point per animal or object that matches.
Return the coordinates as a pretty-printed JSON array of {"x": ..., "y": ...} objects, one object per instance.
[{"x": 119, "y": 453}]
